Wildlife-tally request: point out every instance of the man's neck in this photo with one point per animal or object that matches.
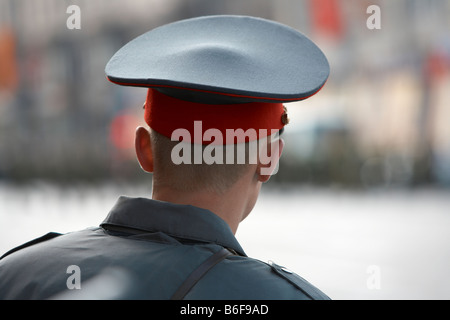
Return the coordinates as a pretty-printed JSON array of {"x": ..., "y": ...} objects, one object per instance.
[{"x": 230, "y": 206}]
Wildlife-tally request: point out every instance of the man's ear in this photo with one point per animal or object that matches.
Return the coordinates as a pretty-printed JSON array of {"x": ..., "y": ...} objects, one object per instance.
[
  {"x": 144, "y": 150},
  {"x": 268, "y": 159}
]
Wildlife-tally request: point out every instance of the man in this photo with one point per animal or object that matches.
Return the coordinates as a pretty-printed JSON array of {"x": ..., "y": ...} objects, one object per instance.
[{"x": 217, "y": 85}]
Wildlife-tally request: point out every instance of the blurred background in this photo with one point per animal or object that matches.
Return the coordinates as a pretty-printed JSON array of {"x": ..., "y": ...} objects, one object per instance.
[{"x": 363, "y": 184}]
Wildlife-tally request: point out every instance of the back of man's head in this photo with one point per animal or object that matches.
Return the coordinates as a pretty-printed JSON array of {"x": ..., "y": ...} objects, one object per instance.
[{"x": 197, "y": 171}]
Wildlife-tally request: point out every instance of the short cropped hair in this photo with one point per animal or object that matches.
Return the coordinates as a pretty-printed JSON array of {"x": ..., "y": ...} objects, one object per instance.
[{"x": 217, "y": 177}]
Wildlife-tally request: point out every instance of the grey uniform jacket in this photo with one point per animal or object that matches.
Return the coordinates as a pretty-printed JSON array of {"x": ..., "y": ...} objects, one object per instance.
[{"x": 145, "y": 249}]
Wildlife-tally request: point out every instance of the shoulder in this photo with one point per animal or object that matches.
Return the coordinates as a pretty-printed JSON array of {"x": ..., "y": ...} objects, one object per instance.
[
  {"x": 298, "y": 282},
  {"x": 247, "y": 278},
  {"x": 30, "y": 243}
]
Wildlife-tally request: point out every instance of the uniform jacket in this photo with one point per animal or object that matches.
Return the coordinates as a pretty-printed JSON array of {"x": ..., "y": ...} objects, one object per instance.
[{"x": 145, "y": 249}]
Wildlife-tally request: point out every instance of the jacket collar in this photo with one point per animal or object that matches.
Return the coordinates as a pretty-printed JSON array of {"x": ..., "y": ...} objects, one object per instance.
[{"x": 179, "y": 221}]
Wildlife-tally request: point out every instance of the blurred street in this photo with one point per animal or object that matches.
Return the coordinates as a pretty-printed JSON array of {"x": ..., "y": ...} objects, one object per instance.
[{"x": 382, "y": 118}]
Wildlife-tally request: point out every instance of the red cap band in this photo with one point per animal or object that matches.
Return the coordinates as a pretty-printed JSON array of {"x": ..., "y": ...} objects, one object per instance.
[{"x": 223, "y": 123}]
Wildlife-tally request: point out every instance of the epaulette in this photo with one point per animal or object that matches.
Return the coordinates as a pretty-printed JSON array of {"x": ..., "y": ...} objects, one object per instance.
[
  {"x": 45, "y": 237},
  {"x": 297, "y": 281}
]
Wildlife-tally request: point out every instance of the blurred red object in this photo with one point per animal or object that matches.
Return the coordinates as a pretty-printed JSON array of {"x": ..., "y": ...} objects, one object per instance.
[
  {"x": 326, "y": 18},
  {"x": 8, "y": 65},
  {"x": 436, "y": 65},
  {"x": 122, "y": 131}
]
